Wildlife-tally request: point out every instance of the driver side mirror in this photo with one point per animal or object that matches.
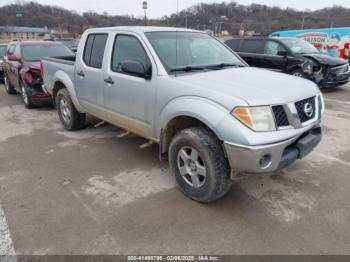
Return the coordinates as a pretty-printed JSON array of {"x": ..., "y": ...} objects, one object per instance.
[
  {"x": 137, "y": 69},
  {"x": 12, "y": 58},
  {"x": 283, "y": 53}
]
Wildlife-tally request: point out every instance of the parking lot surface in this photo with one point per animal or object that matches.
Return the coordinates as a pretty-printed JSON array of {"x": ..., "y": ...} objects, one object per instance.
[{"x": 90, "y": 192}]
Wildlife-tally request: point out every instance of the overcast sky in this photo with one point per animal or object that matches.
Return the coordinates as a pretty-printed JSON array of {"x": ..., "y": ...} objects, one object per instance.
[{"x": 158, "y": 8}]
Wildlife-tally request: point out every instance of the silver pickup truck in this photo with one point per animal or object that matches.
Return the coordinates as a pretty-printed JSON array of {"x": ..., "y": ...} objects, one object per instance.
[{"x": 215, "y": 118}]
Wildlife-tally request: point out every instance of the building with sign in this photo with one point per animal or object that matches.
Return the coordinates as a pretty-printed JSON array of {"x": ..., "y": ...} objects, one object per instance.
[{"x": 8, "y": 33}]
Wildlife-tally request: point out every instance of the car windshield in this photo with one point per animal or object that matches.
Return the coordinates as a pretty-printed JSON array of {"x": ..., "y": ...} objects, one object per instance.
[
  {"x": 189, "y": 51},
  {"x": 299, "y": 46},
  {"x": 39, "y": 51},
  {"x": 2, "y": 51}
]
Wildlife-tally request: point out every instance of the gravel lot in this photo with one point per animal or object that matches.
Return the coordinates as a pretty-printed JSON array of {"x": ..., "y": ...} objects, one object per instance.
[{"x": 91, "y": 192}]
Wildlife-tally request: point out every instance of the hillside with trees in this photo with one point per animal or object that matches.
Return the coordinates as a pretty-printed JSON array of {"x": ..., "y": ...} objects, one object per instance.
[{"x": 229, "y": 16}]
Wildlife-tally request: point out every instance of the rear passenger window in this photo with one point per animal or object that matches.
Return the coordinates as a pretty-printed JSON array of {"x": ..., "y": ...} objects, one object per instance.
[
  {"x": 94, "y": 50},
  {"x": 254, "y": 46},
  {"x": 234, "y": 44}
]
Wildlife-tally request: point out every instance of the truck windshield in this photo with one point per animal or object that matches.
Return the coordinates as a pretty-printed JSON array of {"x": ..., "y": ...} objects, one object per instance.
[
  {"x": 299, "y": 46},
  {"x": 190, "y": 51},
  {"x": 38, "y": 51}
]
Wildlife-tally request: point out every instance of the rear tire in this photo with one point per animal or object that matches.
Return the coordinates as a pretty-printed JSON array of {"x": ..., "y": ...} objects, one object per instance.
[
  {"x": 8, "y": 87},
  {"x": 70, "y": 118},
  {"x": 198, "y": 161}
]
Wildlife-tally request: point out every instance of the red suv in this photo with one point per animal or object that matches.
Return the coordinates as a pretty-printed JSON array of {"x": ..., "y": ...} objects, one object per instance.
[{"x": 22, "y": 70}]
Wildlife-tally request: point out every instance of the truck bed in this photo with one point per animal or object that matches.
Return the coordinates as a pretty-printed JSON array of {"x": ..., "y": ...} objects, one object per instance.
[
  {"x": 58, "y": 65},
  {"x": 70, "y": 60}
]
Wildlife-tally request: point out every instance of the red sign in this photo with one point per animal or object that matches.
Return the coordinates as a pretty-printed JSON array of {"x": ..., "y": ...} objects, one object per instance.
[{"x": 144, "y": 5}]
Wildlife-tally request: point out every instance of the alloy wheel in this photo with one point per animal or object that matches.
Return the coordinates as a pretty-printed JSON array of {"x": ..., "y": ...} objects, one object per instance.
[
  {"x": 192, "y": 167},
  {"x": 298, "y": 74},
  {"x": 65, "y": 111},
  {"x": 24, "y": 95}
]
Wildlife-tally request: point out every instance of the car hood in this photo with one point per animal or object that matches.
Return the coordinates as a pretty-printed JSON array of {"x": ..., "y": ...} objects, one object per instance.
[
  {"x": 252, "y": 85},
  {"x": 324, "y": 59}
]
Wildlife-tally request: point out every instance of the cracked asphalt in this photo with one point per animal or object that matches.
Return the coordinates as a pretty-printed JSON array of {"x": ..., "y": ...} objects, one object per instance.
[{"x": 90, "y": 192}]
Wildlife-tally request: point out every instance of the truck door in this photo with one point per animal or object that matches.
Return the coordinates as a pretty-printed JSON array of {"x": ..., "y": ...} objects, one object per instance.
[
  {"x": 89, "y": 74},
  {"x": 130, "y": 99}
]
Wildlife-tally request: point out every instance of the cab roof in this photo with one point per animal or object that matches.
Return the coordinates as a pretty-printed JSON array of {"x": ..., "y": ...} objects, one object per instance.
[{"x": 141, "y": 29}]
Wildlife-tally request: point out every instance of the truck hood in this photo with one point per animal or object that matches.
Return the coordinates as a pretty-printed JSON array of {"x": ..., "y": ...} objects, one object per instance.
[
  {"x": 324, "y": 59},
  {"x": 252, "y": 85}
]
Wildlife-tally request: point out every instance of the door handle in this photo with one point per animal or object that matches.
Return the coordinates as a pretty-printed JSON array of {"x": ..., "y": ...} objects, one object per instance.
[
  {"x": 109, "y": 80},
  {"x": 81, "y": 74}
]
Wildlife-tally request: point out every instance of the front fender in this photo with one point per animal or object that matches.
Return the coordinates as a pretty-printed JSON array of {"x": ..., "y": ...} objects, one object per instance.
[
  {"x": 207, "y": 111},
  {"x": 62, "y": 77}
]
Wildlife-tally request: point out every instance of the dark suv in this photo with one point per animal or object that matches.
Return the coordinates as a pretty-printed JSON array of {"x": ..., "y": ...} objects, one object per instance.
[
  {"x": 2, "y": 54},
  {"x": 22, "y": 69},
  {"x": 292, "y": 56}
]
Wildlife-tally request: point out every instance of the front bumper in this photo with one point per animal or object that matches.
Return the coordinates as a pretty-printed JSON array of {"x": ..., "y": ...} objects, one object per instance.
[
  {"x": 245, "y": 160},
  {"x": 333, "y": 79},
  {"x": 38, "y": 96}
]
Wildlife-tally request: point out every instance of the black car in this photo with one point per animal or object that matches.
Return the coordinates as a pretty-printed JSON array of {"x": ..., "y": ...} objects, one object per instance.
[
  {"x": 292, "y": 56},
  {"x": 3, "y": 49}
]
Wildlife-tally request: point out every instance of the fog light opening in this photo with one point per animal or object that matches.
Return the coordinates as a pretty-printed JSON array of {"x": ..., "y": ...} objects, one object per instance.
[{"x": 265, "y": 161}]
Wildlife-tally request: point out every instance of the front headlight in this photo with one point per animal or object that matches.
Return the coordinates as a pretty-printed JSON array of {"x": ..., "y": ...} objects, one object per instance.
[
  {"x": 259, "y": 119},
  {"x": 308, "y": 68}
]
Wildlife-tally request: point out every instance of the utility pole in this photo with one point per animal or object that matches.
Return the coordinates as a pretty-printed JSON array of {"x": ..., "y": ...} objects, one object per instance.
[{"x": 144, "y": 7}]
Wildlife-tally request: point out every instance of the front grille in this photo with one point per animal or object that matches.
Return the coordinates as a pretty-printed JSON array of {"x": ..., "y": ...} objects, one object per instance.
[
  {"x": 280, "y": 116},
  {"x": 306, "y": 109}
]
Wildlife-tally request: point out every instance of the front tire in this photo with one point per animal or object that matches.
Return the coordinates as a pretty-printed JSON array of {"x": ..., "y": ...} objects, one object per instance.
[
  {"x": 197, "y": 159},
  {"x": 26, "y": 98},
  {"x": 298, "y": 73},
  {"x": 8, "y": 87},
  {"x": 70, "y": 118}
]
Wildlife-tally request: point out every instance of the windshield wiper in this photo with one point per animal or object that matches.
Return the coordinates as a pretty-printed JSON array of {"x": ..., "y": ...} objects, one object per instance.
[
  {"x": 221, "y": 66},
  {"x": 188, "y": 69}
]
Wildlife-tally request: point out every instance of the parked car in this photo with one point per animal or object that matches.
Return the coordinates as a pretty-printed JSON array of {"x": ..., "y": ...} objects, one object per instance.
[
  {"x": 72, "y": 44},
  {"x": 3, "y": 48},
  {"x": 22, "y": 70},
  {"x": 215, "y": 118},
  {"x": 292, "y": 56}
]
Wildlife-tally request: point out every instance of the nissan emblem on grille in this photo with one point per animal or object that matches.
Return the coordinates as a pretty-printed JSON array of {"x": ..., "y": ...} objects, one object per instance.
[{"x": 308, "y": 109}]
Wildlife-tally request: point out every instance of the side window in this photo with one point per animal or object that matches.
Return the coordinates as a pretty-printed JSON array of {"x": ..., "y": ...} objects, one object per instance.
[
  {"x": 128, "y": 48},
  {"x": 17, "y": 51},
  {"x": 88, "y": 47},
  {"x": 273, "y": 48},
  {"x": 234, "y": 44},
  {"x": 11, "y": 50},
  {"x": 94, "y": 50},
  {"x": 254, "y": 46}
]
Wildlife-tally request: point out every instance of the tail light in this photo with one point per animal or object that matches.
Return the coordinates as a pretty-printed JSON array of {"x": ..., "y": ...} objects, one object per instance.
[
  {"x": 28, "y": 78},
  {"x": 42, "y": 70}
]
